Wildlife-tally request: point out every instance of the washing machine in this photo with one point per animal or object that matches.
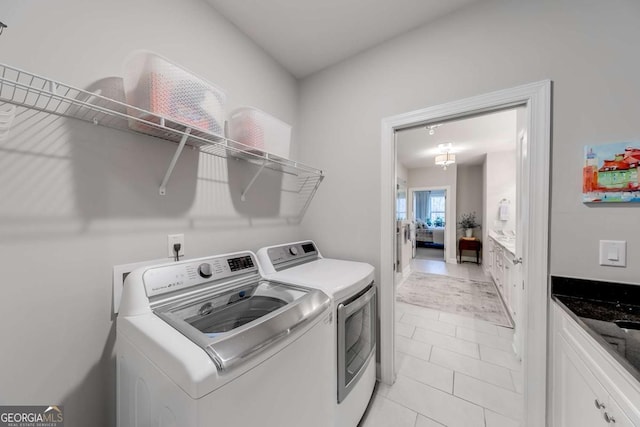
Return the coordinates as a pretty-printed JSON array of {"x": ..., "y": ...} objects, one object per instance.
[
  {"x": 353, "y": 292},
  {"x": 209, "y": 342}
]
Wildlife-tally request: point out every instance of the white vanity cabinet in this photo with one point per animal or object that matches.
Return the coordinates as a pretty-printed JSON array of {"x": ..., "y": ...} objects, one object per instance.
[
  {"x": 496, "y": 265},
  {"x": 488, "y": 255},
  {"x": 503, "y": 273},
  {"x": 588, "y": 387},
  {"x": 507, "y": 281},
  {"x": 506, "y": 274}
]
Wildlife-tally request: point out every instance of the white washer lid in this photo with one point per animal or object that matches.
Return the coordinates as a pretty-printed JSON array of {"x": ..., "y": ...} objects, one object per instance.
[{"x": 337, "y": 278}]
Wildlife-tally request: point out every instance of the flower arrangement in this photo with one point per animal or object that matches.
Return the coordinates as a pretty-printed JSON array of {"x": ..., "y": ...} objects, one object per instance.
[{"x": 468, "y": 220}]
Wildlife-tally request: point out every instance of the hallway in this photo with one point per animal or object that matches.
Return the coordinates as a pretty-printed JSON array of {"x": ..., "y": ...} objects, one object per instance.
[{"x": 452, "y": 370}]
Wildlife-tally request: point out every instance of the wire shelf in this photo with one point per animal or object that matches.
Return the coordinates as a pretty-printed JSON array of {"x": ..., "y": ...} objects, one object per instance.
[{"x": 29, "y": 90}]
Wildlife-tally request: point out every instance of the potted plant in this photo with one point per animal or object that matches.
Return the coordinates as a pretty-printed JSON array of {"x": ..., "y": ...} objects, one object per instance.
[{"x": 468, "y": 222}]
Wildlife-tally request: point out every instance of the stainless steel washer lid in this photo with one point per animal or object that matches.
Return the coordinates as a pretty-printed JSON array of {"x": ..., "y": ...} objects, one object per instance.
[
  {"x": 235, "y": 324},
  {"x": 220, "y": 303}
]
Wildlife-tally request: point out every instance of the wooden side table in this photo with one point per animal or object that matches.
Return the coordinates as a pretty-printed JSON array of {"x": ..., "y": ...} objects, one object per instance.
[{"x": 469, "y": 244}]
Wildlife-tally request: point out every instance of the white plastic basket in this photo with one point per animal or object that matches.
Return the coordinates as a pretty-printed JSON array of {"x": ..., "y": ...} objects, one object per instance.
[
  {"x": 155, "y": 84},
  {"x": 255, "y": 128}
]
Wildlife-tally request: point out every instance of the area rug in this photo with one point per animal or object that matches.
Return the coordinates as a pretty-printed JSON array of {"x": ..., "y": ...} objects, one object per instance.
[{"x": 471, "y": 298}]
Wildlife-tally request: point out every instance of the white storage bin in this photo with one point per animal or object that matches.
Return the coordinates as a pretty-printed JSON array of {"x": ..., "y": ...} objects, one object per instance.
[
  {"x": 157, "y": 85},
  {"x": 257, "y": 129}
]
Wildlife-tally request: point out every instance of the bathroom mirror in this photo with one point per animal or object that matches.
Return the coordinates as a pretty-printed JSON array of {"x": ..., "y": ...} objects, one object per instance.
[{"x": 401, "y": 199}]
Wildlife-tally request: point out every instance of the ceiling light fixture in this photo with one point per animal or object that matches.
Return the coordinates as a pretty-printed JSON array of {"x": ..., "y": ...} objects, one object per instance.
[
  {"x": 432, "y": 128},
  {"x": 446, "y": 158}
]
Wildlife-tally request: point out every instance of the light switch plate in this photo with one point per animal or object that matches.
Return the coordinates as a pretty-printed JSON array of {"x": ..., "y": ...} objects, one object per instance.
[{"x": 613, "y": 253}]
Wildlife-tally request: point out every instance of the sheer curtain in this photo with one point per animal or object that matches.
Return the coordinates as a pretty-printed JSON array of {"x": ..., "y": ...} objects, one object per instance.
[{"x": 422, "y": 205}]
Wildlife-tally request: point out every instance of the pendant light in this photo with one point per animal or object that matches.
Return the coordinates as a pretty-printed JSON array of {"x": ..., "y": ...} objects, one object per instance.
[{"x": 446, "y": 158}]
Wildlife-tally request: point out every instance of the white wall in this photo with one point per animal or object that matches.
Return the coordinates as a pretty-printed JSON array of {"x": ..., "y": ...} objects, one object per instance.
[
  {"x": 500, "y": 183},
  {"x": 584, "y": 46},
  {"x": 470, "y": 183},
  {"x": 402, "y": 172},
  {"x": 78, "y": 199}
]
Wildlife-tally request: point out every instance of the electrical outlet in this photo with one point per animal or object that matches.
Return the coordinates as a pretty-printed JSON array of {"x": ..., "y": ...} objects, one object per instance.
[{"x": 172, "y": 239}]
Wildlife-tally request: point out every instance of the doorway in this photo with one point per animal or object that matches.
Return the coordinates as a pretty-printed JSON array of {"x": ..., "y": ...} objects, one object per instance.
[
  {"x": 432, "y": 215},
  {"x": 533, "y": 204}
]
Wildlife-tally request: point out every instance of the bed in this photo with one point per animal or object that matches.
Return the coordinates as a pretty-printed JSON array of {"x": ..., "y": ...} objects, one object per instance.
[{"x": 430, "y": 237}]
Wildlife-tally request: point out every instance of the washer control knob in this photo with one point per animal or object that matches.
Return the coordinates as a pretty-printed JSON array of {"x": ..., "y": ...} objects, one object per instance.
[
  {"x": 205, "y": 270},
  {"x": 293, "y": 250}
]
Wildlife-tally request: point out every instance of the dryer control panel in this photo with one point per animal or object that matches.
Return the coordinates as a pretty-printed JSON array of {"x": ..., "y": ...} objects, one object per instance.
[
  {"x": 188, "y": 274},
  {"x": 285, "y": 256}
]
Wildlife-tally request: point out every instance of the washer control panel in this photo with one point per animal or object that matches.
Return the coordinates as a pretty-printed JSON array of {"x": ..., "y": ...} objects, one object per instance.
[
  {"x": 187, "y": 274},
  {"x": 291, "y": 254}
]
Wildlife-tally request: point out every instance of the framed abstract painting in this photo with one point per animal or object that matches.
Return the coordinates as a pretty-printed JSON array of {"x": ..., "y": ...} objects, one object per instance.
[{"x": 610, "y": 173}]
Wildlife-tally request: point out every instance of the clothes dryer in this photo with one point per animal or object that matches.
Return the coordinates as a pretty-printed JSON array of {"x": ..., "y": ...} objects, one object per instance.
[{"x": 352, "y": 289}]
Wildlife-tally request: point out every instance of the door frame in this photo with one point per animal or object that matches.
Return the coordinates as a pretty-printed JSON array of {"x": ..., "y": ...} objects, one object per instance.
[
  {"x": 536, "y": 97},
  {"x": 450, "y": 216}
]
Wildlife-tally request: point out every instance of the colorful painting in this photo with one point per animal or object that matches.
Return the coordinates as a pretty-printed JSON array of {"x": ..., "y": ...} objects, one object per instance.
[{"x": 610, "y": 173}]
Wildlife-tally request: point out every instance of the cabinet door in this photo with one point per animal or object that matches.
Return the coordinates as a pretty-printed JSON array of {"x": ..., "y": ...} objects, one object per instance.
[
  {"x": 516, "y": 291},
  {"x": 615, "y": 415},
  {"x": 497, "y": 267},
  {"x": 576, "y": 392},
  {"x": 492, "y": 258},
  {"x": 508, "y": 286},
  {"x": 618, "y": 395}
]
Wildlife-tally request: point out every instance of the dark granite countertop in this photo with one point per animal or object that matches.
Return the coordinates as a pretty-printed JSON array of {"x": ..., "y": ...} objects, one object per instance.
[
  {"x": 610, "y": 312},
  {"x": 601, "y": 310}
]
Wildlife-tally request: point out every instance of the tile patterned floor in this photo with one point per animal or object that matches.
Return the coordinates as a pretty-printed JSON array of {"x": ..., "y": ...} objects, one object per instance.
[{"x": 453, "y": 371}]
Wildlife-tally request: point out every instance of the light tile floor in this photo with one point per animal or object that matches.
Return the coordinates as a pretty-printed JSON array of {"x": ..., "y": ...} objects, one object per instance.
[
  {"x": 452, "y": 370},
  {"x": 430, "y": 253}
]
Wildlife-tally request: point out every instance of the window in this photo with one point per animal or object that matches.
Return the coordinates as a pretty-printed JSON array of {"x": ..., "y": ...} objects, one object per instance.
[
  {"x": 430, "y": 207},
  {"x": 437, "y": 209}
]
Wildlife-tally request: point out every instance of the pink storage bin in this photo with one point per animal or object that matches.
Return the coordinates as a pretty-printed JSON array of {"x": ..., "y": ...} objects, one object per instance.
[
  {"x": 259, "y": 130},
  {"x": 155, "y": 84}
]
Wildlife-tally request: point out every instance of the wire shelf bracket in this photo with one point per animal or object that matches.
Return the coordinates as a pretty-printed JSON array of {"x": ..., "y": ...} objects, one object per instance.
[
  {"x": 174, "y": 159},
  {"x": 244, "y": 192}
]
